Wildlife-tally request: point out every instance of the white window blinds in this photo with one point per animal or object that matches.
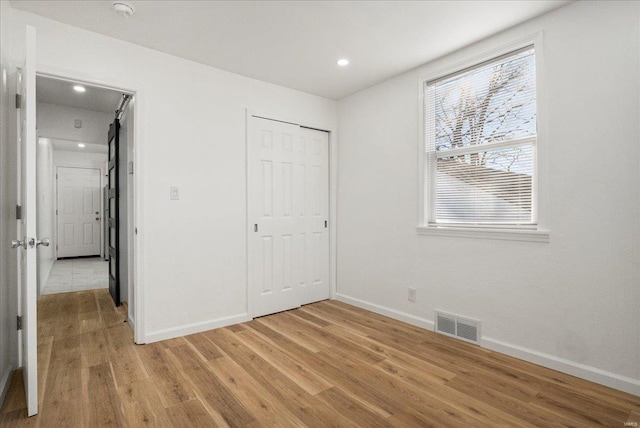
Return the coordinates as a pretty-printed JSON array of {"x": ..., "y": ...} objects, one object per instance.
[{"x": 480, "y": 148}]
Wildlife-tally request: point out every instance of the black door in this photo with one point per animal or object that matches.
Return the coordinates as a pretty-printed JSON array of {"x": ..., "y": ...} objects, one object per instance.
[{"x": 113, "y": 212}]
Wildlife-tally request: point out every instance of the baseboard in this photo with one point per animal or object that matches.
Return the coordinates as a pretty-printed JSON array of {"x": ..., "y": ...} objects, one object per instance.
[
  {"x": 593, "y": 374},
  {"x": 391, "y": 313},
  {"x": 198, "y": 327},
  {"x": 5, "y": 381},
  {"x": 602, "y": 377},
  {"x": 131, "y": 321}
]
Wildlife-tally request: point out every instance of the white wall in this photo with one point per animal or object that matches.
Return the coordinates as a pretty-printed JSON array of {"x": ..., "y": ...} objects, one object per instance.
[
  {"x": 192, "y": 135},
  {"x": 572, "y": 303},
  {"x": 8, "y": 302},
  {"x": 8, "y": 260},
  {"x": 46, "y": 209},
  {"x": 55, "y": 121}
]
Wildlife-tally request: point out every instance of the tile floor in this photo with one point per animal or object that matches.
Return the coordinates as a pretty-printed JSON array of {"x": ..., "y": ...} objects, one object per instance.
[{"x": 77, "y": 275}]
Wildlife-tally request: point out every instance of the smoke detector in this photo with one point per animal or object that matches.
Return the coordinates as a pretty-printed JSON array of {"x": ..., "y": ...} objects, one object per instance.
[{"x": 123, "y": 8}]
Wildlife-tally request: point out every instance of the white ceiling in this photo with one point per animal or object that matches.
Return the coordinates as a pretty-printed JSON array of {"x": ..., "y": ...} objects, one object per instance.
[
  {"x": 60, "y": 92},
  {"x": 72, "y": 146},
  {"x": 296, "y": 43}
]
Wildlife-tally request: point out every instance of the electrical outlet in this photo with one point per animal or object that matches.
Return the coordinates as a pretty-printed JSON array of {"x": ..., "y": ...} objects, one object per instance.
[{"x": 412, "y": 294}]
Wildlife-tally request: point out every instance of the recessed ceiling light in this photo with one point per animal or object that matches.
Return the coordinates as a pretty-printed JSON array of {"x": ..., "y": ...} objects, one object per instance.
[
  {"x": 343, "y": 62},
  {"x": 80, "y": 145},
  {"x": 79, "y": 88}
]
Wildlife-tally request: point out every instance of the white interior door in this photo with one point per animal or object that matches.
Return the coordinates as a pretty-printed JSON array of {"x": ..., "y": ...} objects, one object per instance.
[
  {"x": 313, "y": 226},
  {"x": 26, "y": 243},
  {"x": 79, "y": 213},
  {"x": 288, "y": 208}
]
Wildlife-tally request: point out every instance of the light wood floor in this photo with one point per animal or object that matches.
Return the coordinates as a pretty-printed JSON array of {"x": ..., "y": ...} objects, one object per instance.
[{"x": 326, "y": 364}]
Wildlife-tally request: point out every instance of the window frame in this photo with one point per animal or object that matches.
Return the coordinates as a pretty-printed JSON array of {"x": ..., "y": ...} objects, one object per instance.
[{"x": 526, "y": 232}]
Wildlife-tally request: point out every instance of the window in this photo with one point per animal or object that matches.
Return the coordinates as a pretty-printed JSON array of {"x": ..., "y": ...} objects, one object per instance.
[{"x": 480, "y": 145}]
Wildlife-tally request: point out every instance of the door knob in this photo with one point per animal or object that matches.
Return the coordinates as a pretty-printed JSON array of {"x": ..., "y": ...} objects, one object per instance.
[
  {"x": 15, "y": 243},
  {"x": 44, "y": 241}
]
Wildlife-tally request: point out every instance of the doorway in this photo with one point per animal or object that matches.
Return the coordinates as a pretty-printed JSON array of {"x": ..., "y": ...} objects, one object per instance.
[
  {"x": 78, "y": 212},
  {"x": 73, "y": 122},
  {"x": 288, "y": 168}
]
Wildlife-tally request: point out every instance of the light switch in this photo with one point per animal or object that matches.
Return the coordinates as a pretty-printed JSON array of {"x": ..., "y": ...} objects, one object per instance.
[{"x": 175, "y": 193}]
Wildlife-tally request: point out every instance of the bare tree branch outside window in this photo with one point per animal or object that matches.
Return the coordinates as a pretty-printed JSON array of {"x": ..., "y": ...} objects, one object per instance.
[{"x": 492, "y": 104}]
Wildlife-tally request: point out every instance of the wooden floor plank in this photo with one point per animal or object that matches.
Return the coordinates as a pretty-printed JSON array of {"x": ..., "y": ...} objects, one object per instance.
[
  {"x": 357, "y": 413},
  {"x": 292, "y": 367},
  {"x": 263, "y": 405},
  {"x": 142, "y": 406},
  {"x": 338, "y": 374},
  {"x": 296, "y": 399},
  {"x": 103, "y": 399},
  {"x": 188, "y": 414},
  {"x": 222, "y": 405},
  {"x": 324, "y": 364},
  {"x": 171, "y": 385},
  {"x": 45, "y": 347}
]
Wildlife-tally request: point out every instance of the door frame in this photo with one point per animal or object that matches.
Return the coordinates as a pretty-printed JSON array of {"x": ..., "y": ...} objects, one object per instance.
[
  {"x": 140, "y": 239},
  {"x": 56, "y": 233},
  {"x": 333, "y": 193}
]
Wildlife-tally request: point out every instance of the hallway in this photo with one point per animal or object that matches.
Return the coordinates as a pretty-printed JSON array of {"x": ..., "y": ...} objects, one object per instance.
[{"x": 77, "y": 274}]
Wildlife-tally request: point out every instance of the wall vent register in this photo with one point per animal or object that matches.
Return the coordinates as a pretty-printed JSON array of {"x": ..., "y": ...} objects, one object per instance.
[{"x": 462, "y": 328}]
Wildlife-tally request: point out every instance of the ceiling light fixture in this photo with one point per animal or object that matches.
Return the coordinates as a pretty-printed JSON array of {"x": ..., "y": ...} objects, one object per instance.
[
  {"x": 81, "y": 145},
  {"x": 123, "y": 8},
  {"x": 343, "y": 62},
  {"x": 79, "y": 88}
]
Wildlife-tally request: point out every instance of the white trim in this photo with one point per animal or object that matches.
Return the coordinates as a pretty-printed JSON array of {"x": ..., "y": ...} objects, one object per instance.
[
  {"x": 56, "y": 232},
  {"x": 602, "y": 377},
  {"x": 531, "y": 235},
  {"x": 485, "y": 147},
  {"x": 391, "y": 313},
  {"x": 540, "y": 235},
  {"x": 197, "y": 327},
  {"x": 140, "y": 259},
  {"x": 248, "y": 205},
  {"x": 333, "y": 214},
  {"x": 592, "y": 374},
  {"x": 65, "y": 164},
  {"x": 484, "y": 56},
  {"x": 131, "y": 321},
  {"x": 4, "y": 384}
]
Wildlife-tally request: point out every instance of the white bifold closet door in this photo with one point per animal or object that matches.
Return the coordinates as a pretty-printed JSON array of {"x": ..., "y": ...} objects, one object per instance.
[{"x": 288, "y": 216}]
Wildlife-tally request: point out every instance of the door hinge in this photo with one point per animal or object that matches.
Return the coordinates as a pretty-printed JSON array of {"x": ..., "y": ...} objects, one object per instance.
[
  {"x": 18, "y": 101},
  {"x": 18, "y": 212},
  {"x": 56, "y": 212},
  {"x": 19, "y": 322},
  {"x": 325, "y": 224},
  {"x": 255, "y": 227}
]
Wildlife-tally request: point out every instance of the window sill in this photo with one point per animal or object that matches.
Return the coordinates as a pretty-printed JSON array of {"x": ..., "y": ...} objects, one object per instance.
[{"x": 531, "y": 235}]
